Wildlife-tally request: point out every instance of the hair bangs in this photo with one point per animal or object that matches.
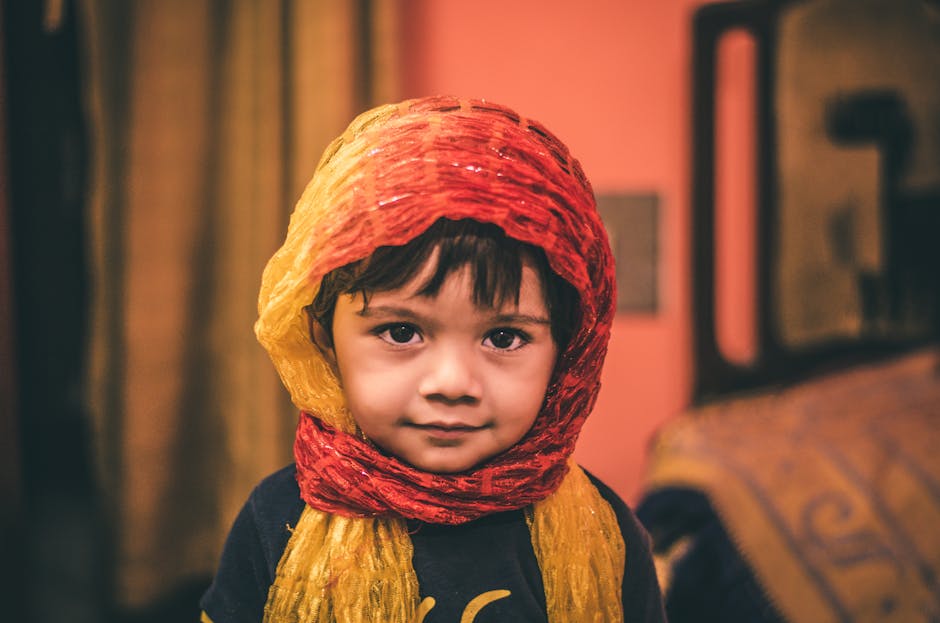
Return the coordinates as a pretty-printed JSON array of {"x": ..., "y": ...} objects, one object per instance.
[{"x": 495, "y": 261}]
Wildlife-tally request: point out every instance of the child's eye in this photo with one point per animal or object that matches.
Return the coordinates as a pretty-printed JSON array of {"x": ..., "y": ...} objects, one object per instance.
[
  {"x": 400, "y": 333},
  {"x": 505, "y": 339}
]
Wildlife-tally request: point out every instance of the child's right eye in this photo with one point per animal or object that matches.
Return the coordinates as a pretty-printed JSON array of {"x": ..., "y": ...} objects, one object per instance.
[{"x": 400, "y": 333}]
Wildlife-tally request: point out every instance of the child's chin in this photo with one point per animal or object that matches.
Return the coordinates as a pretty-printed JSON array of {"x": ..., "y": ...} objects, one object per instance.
[{"x": 445, "y": 469}]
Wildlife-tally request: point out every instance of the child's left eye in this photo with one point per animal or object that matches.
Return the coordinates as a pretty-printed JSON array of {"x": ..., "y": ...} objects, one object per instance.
[{"x": 505, "y": 339}]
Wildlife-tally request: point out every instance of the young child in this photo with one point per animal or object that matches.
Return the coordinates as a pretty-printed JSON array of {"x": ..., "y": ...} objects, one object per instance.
[{"x": 439, "y": 312}]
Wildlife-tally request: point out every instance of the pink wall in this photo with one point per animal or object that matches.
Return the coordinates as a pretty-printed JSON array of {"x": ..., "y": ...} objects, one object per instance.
[{"x": 610, "y": 78}]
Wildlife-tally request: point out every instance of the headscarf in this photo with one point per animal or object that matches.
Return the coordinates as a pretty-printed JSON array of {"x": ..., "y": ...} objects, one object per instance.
[{"x": 395, "y": 171}]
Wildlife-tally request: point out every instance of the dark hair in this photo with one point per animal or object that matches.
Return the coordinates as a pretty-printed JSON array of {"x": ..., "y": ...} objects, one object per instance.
[{"x": 494, "y": 258}]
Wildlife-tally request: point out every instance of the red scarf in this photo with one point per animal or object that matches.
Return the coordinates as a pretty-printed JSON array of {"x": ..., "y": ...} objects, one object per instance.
[
  {"x": 442, "y": 157},
  {"x": 342, "y": 474}
]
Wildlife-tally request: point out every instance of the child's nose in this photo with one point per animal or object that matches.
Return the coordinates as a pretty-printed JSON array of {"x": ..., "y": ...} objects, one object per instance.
[{"x": 451, "y": 376}]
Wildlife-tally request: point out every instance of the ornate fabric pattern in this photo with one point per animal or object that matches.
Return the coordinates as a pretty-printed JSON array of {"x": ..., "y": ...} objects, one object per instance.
[{"x": 830, "y": 489}]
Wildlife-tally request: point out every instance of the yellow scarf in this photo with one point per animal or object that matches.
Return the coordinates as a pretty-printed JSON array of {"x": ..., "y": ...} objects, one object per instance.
[{"x": 357, "y": 570}]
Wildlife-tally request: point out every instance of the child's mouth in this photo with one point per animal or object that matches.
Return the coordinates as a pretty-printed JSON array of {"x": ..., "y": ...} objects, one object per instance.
[{"x": 446, "y": 430}]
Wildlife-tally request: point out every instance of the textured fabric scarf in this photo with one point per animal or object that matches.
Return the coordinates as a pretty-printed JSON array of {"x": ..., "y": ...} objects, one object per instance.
[
  {"x": 342, "y": 473},
  {"x": 394, "y": 172}
]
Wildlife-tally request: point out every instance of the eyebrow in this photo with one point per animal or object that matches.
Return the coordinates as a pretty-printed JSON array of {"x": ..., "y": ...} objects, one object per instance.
[
  {"x": 368, "y": 311},
  {"x": 522, "y": 319},
  {"x": 404, "y": 312}
]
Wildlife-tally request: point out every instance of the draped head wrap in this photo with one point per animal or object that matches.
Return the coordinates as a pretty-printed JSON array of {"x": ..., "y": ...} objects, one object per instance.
[{"x": 395, "y": 171}]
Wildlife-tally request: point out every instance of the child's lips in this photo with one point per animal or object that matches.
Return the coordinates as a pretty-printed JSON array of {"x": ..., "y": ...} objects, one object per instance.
[{"x": 446, "y": 429}]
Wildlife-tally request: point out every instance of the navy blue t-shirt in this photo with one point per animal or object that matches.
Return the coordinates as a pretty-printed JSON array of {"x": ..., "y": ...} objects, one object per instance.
[{"x": 454, "y": 564}]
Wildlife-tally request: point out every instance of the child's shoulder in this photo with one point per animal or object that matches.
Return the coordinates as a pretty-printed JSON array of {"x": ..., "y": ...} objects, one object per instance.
[
  {"x": 279, "y": 485},
  {"x": 273, "y": 505},
  {"x": 254, "y": 547},
  {"x": 630, "y": 527},
  {"x": 606, "y": 492},
  {"x": 640, "y": 592}
]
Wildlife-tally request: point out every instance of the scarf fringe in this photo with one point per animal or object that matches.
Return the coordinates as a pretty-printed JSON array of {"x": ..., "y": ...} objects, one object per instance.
[
  {"x": 581, "y": 552},
  {"x": 344, "y": 569},
  {"x": 356, "y": 570}
]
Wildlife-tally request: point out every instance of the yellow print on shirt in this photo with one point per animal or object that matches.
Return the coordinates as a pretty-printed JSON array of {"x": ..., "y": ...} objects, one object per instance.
[{"x": 470, "y": 612}]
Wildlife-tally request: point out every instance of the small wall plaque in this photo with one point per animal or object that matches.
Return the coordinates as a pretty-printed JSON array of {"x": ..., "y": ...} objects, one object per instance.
[{"x": 632, "y": 222}]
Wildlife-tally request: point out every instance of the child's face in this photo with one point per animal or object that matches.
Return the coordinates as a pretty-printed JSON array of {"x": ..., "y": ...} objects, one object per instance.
[{"x": 437, "y": 381}]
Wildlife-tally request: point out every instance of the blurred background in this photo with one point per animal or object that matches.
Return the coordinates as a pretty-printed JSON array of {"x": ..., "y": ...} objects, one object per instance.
[{"x": 745, "y": 156}]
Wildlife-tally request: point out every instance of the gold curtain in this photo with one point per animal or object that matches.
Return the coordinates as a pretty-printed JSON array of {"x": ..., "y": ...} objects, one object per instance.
[{"x": 207, "y": 119}]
